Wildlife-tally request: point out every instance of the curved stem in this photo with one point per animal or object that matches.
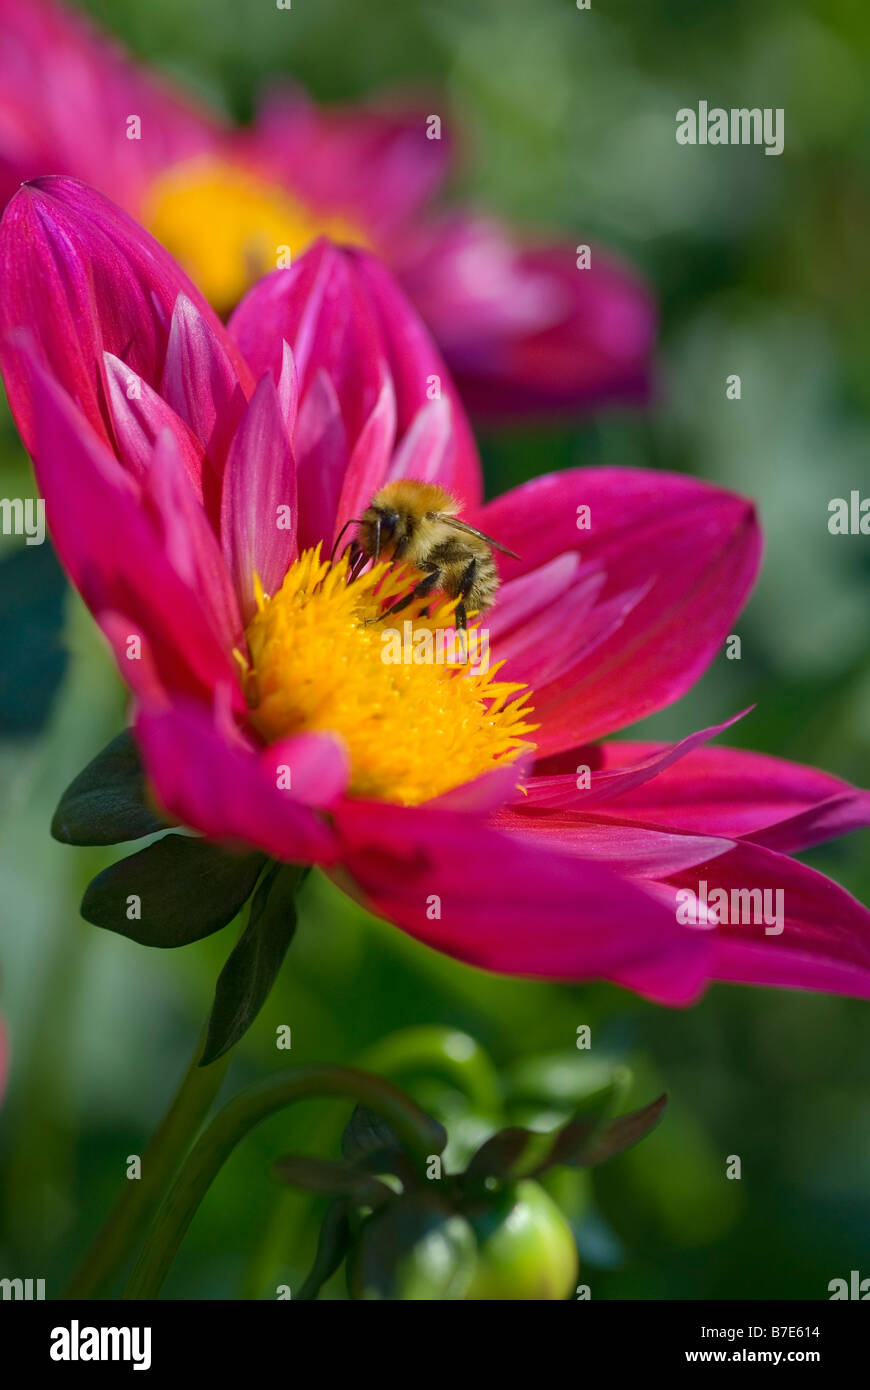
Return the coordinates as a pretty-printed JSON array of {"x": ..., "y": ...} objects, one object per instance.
[
  {"x": 160, "y": 1161},
  {"x": 433, "y": 1048},
  {"x": 421, "y": 1134},
  {"x": 430, "y": 1048}
]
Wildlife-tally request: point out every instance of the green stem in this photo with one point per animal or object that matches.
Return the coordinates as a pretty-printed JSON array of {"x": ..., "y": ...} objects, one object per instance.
[
  {"x": 433, "y": 1048},
  {"x": 429, "y": 1048},
  {"x": 160, "y": 1161},
  {"x": 421, "y": 1134}
]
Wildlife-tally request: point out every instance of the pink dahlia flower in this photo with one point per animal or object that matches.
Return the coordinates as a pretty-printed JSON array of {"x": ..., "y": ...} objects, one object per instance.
[
  {"x": 192, "y": 470},
  {"x": 523, "y": 327}
]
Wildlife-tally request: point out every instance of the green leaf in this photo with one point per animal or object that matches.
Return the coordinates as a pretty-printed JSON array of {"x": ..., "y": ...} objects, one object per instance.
[
  {"x": 572, "y": 1139},
  {"x": 619, "y": 1135},
  {"x": 507, "y": 1155},
  {"x": 333, "y": 1179},
  {"x": 106, "y": 803},
  {"x": 179, "y": 890},
  {"x": 366, "y": 1133},
  {"x": 332, "y": 1247},
  {"x": 250, "y": 972}
]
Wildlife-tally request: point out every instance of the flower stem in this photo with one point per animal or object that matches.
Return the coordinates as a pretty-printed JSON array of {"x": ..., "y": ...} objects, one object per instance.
[
  {"x": 432, "y": 1048},
  {"x": 421, "y": 1134},
  {"x": 424, "y": 1049},
  {"x": 160, "y": 1161}
]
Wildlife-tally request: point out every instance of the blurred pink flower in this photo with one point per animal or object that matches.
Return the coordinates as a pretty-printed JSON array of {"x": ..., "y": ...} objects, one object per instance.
[
  {"x": 165, "y": 446},
  {"x": 523, "y": 329}
]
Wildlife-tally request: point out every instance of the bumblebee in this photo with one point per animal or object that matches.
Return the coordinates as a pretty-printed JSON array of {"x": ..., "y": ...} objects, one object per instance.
[{"x": 420, "y": 523}]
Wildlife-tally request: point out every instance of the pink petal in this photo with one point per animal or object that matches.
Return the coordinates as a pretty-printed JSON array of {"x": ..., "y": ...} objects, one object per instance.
[
  {"x": 81, "y": 278},
  {"x": 191, "y": 545},
  {"x": 320, "y": 308},
  {"x": 489, "y": 792},
  {"x": 66, "y": 94},
  {"x": 259, "y": 485},
  {"x": 139, "y": 415},
  {"x": 426, "y": 451},
  {"x": 507, "y": 903},
  {"x": 636, "y": 851},
  {"x": 200, "y": 383},
  {"x": 112, "y": 551},
  {"x": 367, "y": 470},
  {"x": 553, "y": 787},
  {"x": 321, "y": 451},
  {"x": 825, "y": 940},
  {"x": 522, "y": 600},
  {"x": 732, "y": 792},
  {"x": 418, "y": 368},
  {"x": 227, "y": 793},
  {"x": 525, "y": 330},
  {"x": 374, "y": 165},
  {"x": 682, "y": 554},
  {"x": 829, "y": 819},
  {"x": 318, "y": 766}
]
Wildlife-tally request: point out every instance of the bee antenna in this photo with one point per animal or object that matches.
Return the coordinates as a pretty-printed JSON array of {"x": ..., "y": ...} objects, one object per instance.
[{"x": 354, "y": 521}]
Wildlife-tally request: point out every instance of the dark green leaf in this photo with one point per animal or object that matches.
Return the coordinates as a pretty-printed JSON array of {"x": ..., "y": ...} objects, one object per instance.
[
  {"x": 106, "y": 803},
  {"x": 573, "y": 1139},
  {"x": 333, "y": 1179},
  {"x": 245, "y": 981},
  {"x": 32, "y": 657},
  {"x": 182, "y": 889},
  {"x": 366, "y": 1133},
  {"x": 392, "y": 1161},
  {"x": 503, "y": 1155},
  {"x": 331, "y": 1249},
  {"x": 569, "y": 1144},
  {"x": 620, "y": 1134}
]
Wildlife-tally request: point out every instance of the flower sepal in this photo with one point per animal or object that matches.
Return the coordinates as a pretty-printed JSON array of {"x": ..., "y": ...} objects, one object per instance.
[
  {"x": 107, "y": 802},
  {"x": 250, "y": 972},
  {"x": 489, "y": 1232},
  {"x": 175, "y": 891}
]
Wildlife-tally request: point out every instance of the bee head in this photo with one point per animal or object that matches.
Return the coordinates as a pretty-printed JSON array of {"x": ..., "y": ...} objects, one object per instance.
[{"x": 380, "y": 531}]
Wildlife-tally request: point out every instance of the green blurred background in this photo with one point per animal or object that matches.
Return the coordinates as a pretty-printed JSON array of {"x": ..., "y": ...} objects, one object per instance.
[{"x": 566, "y": 120}]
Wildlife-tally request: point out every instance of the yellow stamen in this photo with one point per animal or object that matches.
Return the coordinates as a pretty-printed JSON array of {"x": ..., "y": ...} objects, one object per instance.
[
  {"x": 227, "y": 227},
  {"x": 413, "y": 729}
]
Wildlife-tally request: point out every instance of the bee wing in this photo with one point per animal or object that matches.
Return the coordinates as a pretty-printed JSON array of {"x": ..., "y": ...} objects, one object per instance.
[{"x": 473, "y": 531}]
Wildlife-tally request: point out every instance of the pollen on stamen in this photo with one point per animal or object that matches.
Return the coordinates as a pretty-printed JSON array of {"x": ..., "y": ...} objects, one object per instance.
[{"x": 321, "y": 657}]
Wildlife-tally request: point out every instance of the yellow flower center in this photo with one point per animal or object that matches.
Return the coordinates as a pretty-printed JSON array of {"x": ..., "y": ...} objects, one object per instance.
[
  {"x": 322, "y": 656},
  {"x": 227, "y": 227}
]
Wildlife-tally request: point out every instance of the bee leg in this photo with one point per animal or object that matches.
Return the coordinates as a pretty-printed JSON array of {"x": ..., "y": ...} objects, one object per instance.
[
  {"x": 356, "y": 560},
  {"x": 466, "y": 584},
  {"x": 421, "y": 590}
]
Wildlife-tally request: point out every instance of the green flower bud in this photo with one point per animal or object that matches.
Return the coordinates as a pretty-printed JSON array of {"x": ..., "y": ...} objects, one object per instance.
[
  {"x": 413, "y": 1249},
  {"x": 525, "y": 1247}
]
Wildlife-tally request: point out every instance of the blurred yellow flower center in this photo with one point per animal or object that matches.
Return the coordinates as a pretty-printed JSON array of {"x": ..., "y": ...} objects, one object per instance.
[
  {"x": 321, "y": 656},
  {"x": 227, "y": 227}
]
